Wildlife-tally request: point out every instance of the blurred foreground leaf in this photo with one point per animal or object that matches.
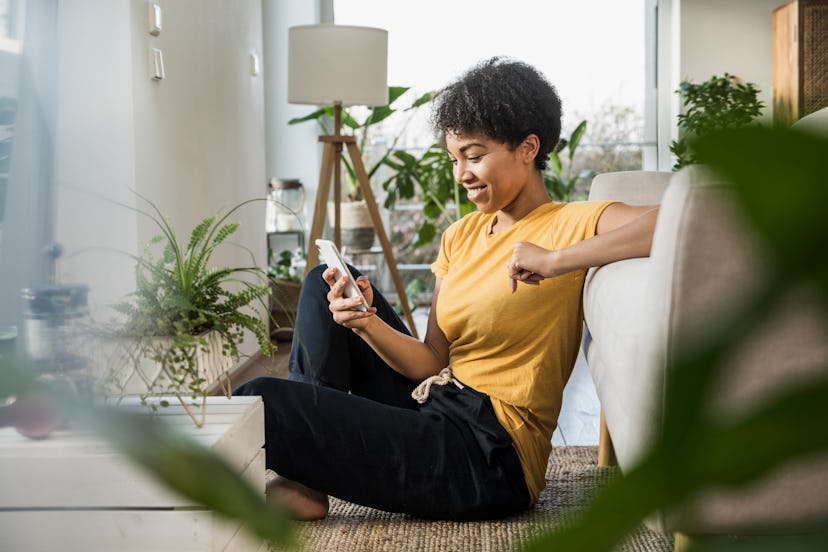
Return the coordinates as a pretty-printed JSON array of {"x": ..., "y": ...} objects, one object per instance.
[{"x": 781, "y": 178}]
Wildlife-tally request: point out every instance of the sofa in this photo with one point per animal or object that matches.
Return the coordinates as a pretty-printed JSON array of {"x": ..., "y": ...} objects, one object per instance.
[{"x": 638, "y": 313}]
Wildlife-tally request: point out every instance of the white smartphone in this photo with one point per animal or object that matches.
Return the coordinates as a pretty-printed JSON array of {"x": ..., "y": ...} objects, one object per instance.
[{"x": 331, "y": 257}]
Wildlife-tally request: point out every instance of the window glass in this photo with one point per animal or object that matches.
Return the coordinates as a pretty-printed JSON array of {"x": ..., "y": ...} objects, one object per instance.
[
  {"x": 593, "y": 51},
  {"x": 11, "y": 25}
]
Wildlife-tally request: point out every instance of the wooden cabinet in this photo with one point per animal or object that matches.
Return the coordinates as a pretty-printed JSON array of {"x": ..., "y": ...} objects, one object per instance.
[{"x": 800, "y": 60}]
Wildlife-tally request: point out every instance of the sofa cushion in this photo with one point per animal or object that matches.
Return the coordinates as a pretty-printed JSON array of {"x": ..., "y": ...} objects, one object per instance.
[{"x": 616, "y": 310}]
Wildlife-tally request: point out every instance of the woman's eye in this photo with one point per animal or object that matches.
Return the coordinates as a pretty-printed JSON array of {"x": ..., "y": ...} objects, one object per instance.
[{"x": 474, "y": 158}]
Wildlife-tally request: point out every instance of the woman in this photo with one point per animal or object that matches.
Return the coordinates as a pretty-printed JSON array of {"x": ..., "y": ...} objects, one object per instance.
[{"x": 502, "y": 336}]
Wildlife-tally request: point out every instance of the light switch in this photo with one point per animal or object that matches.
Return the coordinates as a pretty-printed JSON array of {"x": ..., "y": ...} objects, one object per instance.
[
  {"x": 255, "y": 67},
  {"x": 156, "y": 22},
  {"x": 156, "y": 64}
]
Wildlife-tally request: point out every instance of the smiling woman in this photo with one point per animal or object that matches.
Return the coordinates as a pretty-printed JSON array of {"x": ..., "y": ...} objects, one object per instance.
[{"x": 503, "y": 332}]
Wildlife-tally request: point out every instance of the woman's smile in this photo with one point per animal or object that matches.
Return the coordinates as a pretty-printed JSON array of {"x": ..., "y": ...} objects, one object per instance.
[{"x": 473, "y": 191}]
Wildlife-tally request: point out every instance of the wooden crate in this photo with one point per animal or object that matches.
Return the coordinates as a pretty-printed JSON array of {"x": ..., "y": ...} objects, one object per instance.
[{"x": 73, "y": 491}]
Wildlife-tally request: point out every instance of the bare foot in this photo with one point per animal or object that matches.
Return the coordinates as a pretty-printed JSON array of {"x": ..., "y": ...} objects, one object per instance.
[{"x": 302, "y": 503}]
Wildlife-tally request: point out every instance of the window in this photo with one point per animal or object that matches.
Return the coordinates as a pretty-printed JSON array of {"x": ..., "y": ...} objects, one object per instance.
[
  {"x": 595, "y": 52},
  {"x": 27, "y": 94},
  {"x": 11, "y": 25}
]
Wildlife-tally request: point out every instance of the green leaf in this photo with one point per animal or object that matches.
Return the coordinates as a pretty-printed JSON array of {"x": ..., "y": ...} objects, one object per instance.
[
  {"x": 378, "y": 114},
  {"x": 776, "y": 175},
  {"x": 425, "y": 234},
  {"x": 562, "y": 143},
  {"x": 314, "y": 115},
  {"x": 198, "y": 233},
  {"x": 555, "y": 163},
  {"x": 432, "y": 210},
  {"x": 407, "y": 159},
  {"x": 466, "y": 207},
  {"x": 766, "y": 165},
  {"x": 224, "y": 233},
  {"x": 394, "y": 93},
  {"x": 349, "y": 121},
  {"x": 422, "y": 100},
  {"x": 575, "y": 138}
]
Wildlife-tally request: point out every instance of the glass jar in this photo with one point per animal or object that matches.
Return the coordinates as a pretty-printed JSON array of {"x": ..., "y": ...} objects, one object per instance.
[
  {"x": 55, "y": 323},
  {"x": 286, "y": 202}
]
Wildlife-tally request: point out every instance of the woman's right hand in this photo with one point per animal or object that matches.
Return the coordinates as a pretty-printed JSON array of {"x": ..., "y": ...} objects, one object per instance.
[{"x": 344, "y": 309}]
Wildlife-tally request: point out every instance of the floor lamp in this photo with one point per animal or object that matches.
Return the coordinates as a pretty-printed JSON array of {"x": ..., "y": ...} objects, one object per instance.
[{"x": 342, "y": 65}]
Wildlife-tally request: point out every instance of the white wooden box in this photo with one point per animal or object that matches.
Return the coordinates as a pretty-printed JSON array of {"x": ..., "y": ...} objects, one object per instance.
[{"x": 73, "y": 491}]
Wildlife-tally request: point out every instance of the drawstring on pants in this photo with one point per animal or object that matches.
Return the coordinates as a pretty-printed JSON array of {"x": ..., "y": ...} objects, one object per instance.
[{"x": 420, "y": 394}]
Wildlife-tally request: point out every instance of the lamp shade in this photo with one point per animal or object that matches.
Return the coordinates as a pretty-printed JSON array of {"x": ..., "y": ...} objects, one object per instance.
[{"x": 337, "y": 63}]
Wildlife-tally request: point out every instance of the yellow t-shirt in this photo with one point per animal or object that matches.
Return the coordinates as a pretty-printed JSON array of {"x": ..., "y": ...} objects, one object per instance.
[{"x": 517, "y": 348}]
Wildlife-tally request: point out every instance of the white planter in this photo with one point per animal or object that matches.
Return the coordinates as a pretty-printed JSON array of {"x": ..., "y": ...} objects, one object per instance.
[{"x": 126, "y": 366}]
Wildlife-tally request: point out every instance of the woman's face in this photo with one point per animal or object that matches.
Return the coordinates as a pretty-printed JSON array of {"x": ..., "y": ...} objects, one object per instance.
[{"x": 492, "y": 174}]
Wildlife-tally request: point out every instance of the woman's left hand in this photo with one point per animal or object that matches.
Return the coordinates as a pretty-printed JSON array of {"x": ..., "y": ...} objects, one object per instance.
[
  {"x": 344, "y": 309},
  {"x": 529, "y": 264}
]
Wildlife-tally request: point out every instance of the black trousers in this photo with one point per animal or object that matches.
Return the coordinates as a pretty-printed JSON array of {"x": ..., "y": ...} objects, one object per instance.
[{"x": 344, "y": 423}]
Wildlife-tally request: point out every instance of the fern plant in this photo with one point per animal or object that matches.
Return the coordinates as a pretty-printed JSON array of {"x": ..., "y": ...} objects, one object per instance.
[{"x": 181, "y": 298}]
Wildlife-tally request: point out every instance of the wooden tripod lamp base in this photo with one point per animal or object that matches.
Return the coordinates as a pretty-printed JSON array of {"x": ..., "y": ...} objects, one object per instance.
[{"x": 331, "y": 158}]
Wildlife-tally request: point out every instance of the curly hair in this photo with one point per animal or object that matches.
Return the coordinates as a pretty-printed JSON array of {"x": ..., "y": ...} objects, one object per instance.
[{"x": 504, "y": 99}]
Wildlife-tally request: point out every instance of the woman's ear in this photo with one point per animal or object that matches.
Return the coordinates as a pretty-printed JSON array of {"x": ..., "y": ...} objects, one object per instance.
[{"x": 529, "y": 148}]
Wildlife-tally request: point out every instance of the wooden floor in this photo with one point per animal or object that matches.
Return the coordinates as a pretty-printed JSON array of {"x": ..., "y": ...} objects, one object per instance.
[
  {"x": 577, "y": 423},
  {"x": 275, "y": 366}
]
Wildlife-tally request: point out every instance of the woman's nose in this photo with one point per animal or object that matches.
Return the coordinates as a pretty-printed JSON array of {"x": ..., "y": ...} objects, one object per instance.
[{"x": 462, "y": 174}]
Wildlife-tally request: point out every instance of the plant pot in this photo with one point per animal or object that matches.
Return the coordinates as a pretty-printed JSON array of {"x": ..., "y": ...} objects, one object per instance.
[
  {"x": 355, "y": 223},
  {"x": 130, "y": 368},
  {"x": 284, "y": 302}
]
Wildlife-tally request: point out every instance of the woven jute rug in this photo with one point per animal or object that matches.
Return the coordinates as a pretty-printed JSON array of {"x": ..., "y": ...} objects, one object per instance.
[{"x": 572, "y": 477}]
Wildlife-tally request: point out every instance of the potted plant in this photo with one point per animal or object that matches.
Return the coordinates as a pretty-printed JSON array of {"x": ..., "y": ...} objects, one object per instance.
[
  {"x": 716, "y": 104},
  {"x": 285, "y": 285},
  {"x": 559, "y": 181},
  {"x": 185, "y": 320},
  {"x": 356, "y": 225},
  {"x": 431, "y": 174}
]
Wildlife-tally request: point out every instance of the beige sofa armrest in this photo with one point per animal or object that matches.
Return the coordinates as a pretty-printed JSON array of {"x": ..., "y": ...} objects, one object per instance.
[
  {"x": 705, "y": 262},
  {"x": 632, "y": 187}
]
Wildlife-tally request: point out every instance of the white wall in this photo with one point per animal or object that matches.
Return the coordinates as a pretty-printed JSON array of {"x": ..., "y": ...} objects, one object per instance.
[
  {"x": 193, "y": 142},
  {"x": 95, "y": 147},
  {"x": 702, "y": 38},
  {"x": 293, "y": 150},
  {"x": 733, "y": 36}
]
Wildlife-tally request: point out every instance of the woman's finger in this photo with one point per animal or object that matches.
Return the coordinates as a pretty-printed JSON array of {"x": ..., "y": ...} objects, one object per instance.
[
  {"x": 344, "y": 303},
  {"x": 351, "y": 318},
  {"x": 337, "y": 289},
  {"x": 329, "y": 275}
]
